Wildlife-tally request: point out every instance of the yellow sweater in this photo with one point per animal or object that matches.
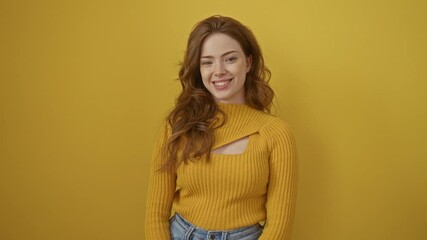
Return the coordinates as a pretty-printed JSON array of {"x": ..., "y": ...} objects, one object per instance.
[{"x": 230, "y": 190}]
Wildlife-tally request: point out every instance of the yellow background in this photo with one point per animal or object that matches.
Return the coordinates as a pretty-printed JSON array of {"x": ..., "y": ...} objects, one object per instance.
[{"x": 84, "y": 86}]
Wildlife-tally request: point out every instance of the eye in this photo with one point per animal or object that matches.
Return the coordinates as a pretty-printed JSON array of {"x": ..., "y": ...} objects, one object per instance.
[
  {"x": 205, "y": 62},
  {"x": 231, "y": 59}
]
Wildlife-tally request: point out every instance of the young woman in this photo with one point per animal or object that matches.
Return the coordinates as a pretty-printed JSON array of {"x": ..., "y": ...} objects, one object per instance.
[{"x": 223, "y": 164}]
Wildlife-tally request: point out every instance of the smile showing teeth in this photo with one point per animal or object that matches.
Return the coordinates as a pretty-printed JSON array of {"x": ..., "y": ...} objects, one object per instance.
[{"x": 222, "y": 83}]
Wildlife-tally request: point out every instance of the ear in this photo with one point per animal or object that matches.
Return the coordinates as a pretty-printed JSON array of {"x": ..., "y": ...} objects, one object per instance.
[{"x": 248, "y": 63}]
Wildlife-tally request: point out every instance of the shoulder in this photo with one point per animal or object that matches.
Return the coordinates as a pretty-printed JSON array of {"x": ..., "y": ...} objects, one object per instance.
[
  {"x": 164, "y": 132},
  {"x": 277, "y": 130},
  {"x": 274, "y": 124}
]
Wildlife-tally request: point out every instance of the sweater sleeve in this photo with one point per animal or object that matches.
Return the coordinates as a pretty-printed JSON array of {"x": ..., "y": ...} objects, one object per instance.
[
  {"x": 160, "y": 194},
  {"x": 282, "y": 184}
]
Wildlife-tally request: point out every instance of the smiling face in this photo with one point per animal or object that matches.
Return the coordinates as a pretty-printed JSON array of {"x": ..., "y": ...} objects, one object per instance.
[{"x": 223, "y": 67}]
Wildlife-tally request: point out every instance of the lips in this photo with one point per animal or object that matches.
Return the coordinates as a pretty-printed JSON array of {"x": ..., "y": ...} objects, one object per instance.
[{"x": 220, "y": 84}]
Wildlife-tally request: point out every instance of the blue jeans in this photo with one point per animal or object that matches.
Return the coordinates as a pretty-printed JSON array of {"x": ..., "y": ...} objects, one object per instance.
[{"x": 181, "y": 229}]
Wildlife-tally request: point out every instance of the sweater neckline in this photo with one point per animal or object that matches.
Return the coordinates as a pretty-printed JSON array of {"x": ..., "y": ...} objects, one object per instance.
[
  {"x": 227, "y": 106},
  {"x": 241, "y": 120},
  {"x": 230, "y": 104}
]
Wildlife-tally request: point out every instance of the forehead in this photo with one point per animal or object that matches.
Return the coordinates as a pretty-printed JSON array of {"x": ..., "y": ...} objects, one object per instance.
[{"x": 219, "y": 43}]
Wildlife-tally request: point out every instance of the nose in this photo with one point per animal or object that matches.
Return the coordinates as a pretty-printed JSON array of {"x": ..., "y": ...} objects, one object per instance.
[{"x": 219, "y": 69}]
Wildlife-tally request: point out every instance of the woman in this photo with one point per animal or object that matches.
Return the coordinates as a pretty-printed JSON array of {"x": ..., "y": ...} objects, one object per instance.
[{"x": 223, "y": 163}]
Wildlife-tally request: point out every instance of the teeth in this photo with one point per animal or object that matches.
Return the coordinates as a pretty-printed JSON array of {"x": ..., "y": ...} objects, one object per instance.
[{"x": 219, "y": 84}]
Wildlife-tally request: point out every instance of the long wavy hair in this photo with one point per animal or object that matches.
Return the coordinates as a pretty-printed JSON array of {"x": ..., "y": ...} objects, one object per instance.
[{"x": 195, "y": 115}]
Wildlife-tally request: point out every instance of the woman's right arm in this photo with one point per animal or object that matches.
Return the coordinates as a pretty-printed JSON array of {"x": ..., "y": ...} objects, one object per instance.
[{"x": 161, "y": 190}]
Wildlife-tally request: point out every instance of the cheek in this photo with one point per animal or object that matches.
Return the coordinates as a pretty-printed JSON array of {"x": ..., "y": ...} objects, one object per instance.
[
  {"x": 204, "y": 71},
  {"x": 203, "y": 74},
  {"x": 240, "y": 69},
  {"x": 205, "y": 77}
]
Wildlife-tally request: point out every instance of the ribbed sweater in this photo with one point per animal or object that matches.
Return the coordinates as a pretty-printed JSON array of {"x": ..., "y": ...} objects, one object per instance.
[{"x": 230, "y": 190}]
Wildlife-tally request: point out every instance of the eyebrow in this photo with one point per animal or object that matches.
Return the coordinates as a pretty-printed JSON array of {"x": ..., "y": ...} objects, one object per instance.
[{"x": 221, "y": 55}]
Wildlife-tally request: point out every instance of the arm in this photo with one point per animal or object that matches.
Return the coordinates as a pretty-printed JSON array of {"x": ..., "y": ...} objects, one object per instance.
[
  {"x": 161, "y": 190},
  {"x": 282, "y": 184}
]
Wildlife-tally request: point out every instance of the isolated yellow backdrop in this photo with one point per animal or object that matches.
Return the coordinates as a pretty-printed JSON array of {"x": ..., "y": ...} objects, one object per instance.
[{"x": 84, "y": 86}]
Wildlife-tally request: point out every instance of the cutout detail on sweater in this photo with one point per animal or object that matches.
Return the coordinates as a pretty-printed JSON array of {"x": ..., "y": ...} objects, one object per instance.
[{"x": 236, "y": 147}]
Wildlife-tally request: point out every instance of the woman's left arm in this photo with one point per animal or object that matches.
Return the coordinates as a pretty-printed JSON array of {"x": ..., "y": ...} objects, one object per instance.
[{"x": 282, "y": 184}]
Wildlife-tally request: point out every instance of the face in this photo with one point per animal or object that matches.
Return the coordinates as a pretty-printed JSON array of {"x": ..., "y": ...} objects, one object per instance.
[{"x": 223, "y": 66}]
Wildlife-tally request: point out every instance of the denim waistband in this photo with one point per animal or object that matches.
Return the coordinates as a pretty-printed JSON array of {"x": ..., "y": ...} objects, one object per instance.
[{"x": 190, "y": 228}]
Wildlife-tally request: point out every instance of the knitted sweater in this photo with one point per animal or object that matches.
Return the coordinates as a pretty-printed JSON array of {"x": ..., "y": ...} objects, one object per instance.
[{"x": 230, "y": 190}]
